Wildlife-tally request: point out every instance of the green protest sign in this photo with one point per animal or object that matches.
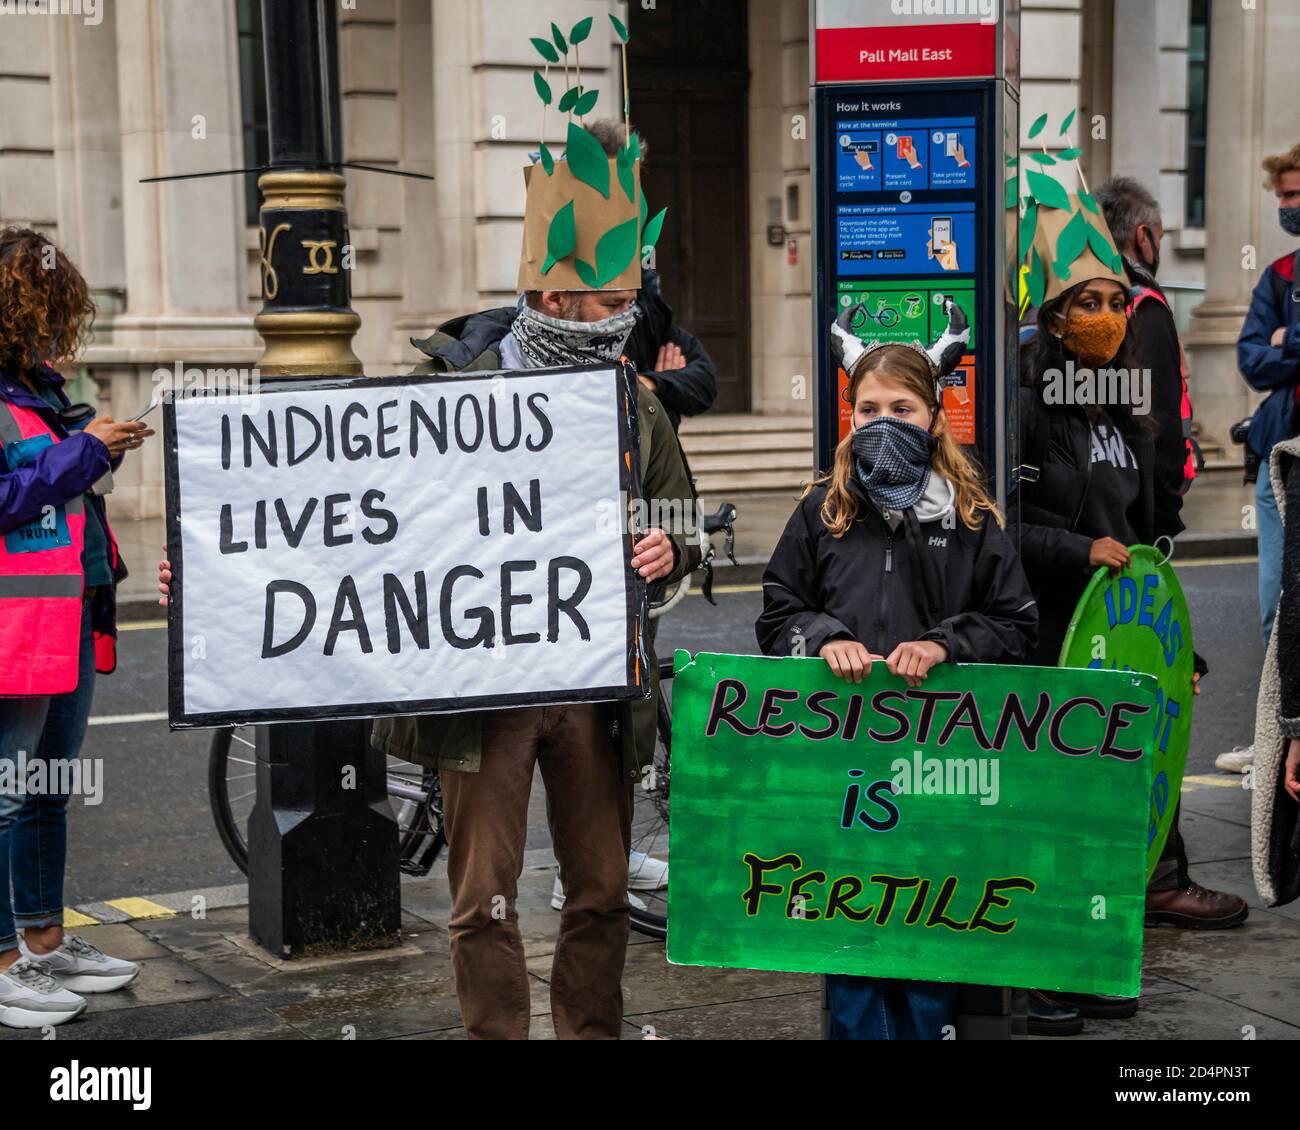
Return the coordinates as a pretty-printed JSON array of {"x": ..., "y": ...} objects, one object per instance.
[
  {"x": 1138, "y": 621},
  {"x": 985, "y": 827}
]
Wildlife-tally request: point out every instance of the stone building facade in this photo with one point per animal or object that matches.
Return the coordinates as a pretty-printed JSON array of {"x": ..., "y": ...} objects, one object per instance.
[{"x": 90, "y": 108}]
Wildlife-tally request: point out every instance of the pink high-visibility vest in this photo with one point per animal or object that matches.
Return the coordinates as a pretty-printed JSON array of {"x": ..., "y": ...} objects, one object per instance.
[{"x": 41, "y": 584}]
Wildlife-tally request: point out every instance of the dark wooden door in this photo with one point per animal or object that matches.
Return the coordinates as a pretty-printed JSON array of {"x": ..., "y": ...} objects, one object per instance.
[{"x": 689, "y": 70}]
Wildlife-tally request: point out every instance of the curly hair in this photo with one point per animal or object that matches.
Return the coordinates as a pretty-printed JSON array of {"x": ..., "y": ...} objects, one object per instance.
[
  {"x": 1282, "y": 163},
  {"x": 46, "y": 312}
]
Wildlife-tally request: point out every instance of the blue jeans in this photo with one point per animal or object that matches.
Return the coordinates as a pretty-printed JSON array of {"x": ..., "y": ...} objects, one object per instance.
[
  {"x": 1268, "y": 524},
  {"x": 872, "y": 1008},
  {"x": 34, "y": 828}
]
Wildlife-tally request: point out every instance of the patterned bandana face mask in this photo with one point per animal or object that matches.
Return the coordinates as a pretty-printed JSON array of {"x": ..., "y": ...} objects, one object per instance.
[
  {"x": 892, "y": 459},
  {"x": 545, "y": 341}
]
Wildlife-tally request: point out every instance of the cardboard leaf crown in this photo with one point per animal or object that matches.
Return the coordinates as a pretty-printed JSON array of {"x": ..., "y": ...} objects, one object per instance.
[
  {"x": 586, "y": 223},
  {"x": 1063, "y": 237}
]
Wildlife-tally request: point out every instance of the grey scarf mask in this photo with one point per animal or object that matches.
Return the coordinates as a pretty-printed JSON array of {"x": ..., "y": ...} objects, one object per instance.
[{"x": 544, "y": 341}]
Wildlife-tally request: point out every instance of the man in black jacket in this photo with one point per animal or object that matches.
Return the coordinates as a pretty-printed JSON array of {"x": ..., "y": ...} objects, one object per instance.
[{"x": 1134, "y": 218}]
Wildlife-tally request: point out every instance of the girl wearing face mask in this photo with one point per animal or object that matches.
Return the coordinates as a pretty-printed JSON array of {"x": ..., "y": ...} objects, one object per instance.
[
  {"x": 1093, "y": 494},
  {"x": 897, "y": 556}
]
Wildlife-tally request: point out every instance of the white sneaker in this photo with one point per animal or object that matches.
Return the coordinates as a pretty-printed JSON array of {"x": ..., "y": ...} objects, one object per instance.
[
  {"x": 31, "y": 998},
  {"x": 79, "y": 966},
  {"x": 1238, "y": 761},
  {"x": 558, "y": 896},
  {"x": 645, "y": 873}
]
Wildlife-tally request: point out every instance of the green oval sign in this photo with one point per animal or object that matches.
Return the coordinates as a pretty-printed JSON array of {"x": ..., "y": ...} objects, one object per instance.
[{"x": 1138, "y": 621}]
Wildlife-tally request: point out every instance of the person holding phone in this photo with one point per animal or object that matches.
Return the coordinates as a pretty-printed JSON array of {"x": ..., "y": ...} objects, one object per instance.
[{"x": 59, "y": 569}]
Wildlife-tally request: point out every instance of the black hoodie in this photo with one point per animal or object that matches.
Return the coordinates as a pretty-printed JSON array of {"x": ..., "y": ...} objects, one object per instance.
[{"x": 937, "y": 580}]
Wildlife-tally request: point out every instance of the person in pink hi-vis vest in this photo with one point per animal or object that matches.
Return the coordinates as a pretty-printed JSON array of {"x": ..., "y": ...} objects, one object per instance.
[{"x": 59, "y": 569}]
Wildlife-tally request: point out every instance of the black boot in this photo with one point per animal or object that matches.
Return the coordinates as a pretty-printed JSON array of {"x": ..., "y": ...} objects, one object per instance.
[
  {"x": 1047, "y": 1018},
  {"x": 1095, "y": 1006}
]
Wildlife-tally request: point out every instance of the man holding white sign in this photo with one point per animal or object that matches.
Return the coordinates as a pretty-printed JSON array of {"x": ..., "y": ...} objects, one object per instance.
[{"x": 587, "y": 752}]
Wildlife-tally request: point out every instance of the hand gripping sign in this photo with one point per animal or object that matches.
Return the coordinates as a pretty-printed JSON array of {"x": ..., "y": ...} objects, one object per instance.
[{"x": 403, "y": 545}]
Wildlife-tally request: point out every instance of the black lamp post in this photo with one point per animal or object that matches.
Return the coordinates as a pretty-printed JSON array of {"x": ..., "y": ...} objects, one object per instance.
[{"x": 323, "y": 853}]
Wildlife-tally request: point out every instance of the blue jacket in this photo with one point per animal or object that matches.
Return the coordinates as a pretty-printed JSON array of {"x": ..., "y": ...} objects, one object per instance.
[
  {"x": 1274, "y": 369},
  {"x": 58, "y": 473}
]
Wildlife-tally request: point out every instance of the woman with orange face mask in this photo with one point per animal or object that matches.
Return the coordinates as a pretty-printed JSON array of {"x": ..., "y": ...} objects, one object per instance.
[{"x": 1086, "y": 489}]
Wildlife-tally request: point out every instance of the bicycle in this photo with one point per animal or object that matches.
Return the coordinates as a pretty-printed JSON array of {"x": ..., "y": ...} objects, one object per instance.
[{"x": 416, "y": 791}]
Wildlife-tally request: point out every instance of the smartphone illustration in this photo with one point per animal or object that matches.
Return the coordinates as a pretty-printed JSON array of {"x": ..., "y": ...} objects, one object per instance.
[
  {"x": 940, "y": 231},
  {"x": 950, "y": 142}
]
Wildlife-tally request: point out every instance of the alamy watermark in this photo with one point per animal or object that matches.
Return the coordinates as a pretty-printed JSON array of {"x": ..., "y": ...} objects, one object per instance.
[
  {"x": 61, "y": 776},
  {"x": 986, "y": 10},
  {"x": 92, "y": 11},
  {"x": 1076, "y": 384}
]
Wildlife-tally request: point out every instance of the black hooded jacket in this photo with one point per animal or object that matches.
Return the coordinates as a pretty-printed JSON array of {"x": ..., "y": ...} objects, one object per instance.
[
  {"x": 1056, "y": 445},
  {"x": 934, "y": 580},
  {"x": 471, "y": 342}
]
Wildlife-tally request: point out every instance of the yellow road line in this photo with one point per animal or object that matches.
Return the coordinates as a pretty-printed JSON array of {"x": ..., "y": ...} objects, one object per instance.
[
  {"x": 1217, "y": 782},
  {"x": 76, "y": 918},
  {"x": 142, "y": 626},
  {"x": 1215, "y": 561},
  {"x": 727, "y": 588},
  {"x": 141, "y": 908}
]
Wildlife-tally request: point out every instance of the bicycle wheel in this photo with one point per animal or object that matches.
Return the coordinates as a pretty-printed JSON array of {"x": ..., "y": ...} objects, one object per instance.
[
  {"x": 232, "y": 792},
  {"x": 650, "y": 819}
]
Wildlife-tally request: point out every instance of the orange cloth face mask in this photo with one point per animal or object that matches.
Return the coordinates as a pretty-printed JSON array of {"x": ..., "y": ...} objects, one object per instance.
[{"x": 1094, "y": 338}]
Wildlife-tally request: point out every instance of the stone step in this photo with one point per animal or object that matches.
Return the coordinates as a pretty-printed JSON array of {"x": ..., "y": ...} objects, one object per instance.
[
  {"x": 705, "y": 442},
  {"x": 729, "y": 484},
  {"x": 730, "y": 422},
  {"x": 722, "y": 461}
]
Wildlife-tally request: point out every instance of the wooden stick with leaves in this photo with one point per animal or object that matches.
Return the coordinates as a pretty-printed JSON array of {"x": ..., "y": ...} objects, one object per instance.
[
  {"x": 1078, "y": 234},
  {"x": 586, "y": 160}
]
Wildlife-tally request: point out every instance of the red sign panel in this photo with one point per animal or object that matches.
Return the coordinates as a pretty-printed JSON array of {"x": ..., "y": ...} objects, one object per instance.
[{"x": 906, "y": 51}]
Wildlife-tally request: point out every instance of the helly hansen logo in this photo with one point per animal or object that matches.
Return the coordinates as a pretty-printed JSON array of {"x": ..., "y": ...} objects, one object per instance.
[{"x": 942, "y": 543}]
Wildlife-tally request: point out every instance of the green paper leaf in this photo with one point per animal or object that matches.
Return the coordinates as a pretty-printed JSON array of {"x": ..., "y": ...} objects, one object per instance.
[
  {"x": 1036, "y": 282},
  {"x": 545, "y": 50},
  {"x": 1068, "y": 154},
  {"x": 1100, "y": 246},
  {"x": 634, "y": 145},
  {"x": 624, "y": 166},
  {"x": 587, "y": 160},
  {"x": 543, "y": 87},
  {"x": 1042, "y": 158},
  {"x": 619, "y": 29},
  {"x": 580, "y": 31},
  {"x": 1037, "y": 127},
  {"x": 548, "y": 162},
  {"x": 650, "y": 235},
  {"x": 1046, "y": 191},
  {"x": 615, "y": 250},
  {"x": 1070, "y": 243},
  {"x": 587, "y": 273},
  {"x": 583, "y": 106},
  {"x": 561, "y": 237},
  {"x": 645, "y": 209},
  {"x": 558, "y": 36},
  {"x": 1010, "y": 193},
  {"x": 568, "y": 99},
  {"x": 1028, "y": 222},
  {"x": 1012, "y": 162},
  {"x": 1065, "y": 125},
  {"x": 1090, "y": 202}
]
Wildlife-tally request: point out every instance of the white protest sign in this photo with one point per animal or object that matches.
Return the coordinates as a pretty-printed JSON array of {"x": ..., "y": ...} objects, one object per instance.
[{"x": 402, "y": 545}]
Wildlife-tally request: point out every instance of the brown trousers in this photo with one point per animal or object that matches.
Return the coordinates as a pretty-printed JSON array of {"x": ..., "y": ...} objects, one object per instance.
[{"x": 589, "y": 808}]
